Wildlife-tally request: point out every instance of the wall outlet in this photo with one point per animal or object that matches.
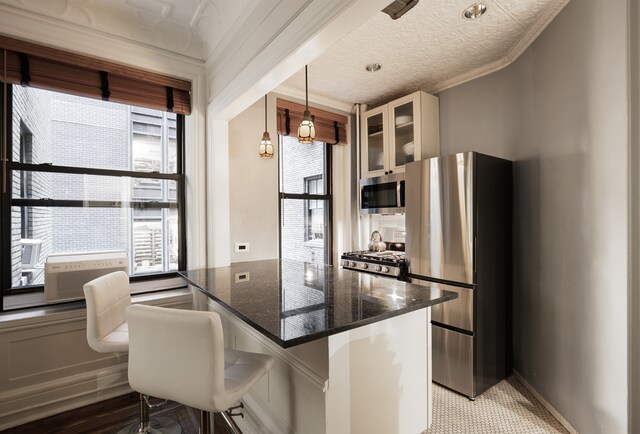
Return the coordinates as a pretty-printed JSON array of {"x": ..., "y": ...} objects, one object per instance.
[
  {"x": 242, "y": 247},
  {"x": 242, "y": 277}
]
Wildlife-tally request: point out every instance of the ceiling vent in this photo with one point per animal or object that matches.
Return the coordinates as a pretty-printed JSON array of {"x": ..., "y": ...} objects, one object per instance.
[{"x": 399, "y": 7}]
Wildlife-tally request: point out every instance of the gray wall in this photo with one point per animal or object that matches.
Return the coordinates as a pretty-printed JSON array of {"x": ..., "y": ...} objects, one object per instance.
[
  {"x": 634, "y": 239},
  {"x": 560, "y": 113}
]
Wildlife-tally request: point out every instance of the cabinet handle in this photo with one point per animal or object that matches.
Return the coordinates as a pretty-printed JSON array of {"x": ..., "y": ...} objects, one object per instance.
[
  {"x": 391, "y": 171},
  {"x": 386, "y": 173}
]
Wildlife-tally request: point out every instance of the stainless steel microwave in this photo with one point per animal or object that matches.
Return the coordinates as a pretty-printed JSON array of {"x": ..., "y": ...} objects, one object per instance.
[{"x": 382, "y": 195}]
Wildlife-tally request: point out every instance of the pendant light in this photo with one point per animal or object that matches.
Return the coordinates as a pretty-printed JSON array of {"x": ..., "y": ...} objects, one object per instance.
[
  {"x": 266, "y": 148},
  {"x": 306, "y": 130}
]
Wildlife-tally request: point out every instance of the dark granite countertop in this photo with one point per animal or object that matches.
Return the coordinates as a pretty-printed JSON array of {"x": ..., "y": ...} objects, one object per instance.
[{"x": 293, "y": 302}]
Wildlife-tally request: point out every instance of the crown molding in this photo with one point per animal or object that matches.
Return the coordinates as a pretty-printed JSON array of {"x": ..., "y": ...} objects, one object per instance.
[
  {"x": 306, "y": 36},
  {"x": 52, "y": 32},
  {"x": 314, "y": 100},
  {"x": 514, "y": 53}
]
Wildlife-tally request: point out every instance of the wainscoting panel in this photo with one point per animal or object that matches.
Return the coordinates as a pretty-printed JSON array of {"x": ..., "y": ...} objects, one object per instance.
[{"x": 46, "y": 365}]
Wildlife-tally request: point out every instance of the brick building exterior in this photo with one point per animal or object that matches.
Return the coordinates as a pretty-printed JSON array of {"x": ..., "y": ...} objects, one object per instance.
[
  {"x": 31, "y": 135},
  {"x": 301, "y": 166},
  {"x": 66, "y": 130}
]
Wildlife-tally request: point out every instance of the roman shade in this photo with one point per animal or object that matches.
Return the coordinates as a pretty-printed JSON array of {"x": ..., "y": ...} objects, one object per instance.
[
  {"x": 38, "y": 66},
  {"x": 330, "y": 127}
]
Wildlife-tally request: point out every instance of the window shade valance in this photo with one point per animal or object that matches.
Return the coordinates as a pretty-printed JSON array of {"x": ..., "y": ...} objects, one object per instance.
[
  {"x": 327, "y": 124},
  {"x": 49, "y": 68}
]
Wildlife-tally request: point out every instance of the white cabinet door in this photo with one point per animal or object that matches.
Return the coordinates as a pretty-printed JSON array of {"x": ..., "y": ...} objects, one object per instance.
[
  {"x": 404, "y": 137},
  {"x": 374, "y": 143},
  {"x": 400, "y": 132}
]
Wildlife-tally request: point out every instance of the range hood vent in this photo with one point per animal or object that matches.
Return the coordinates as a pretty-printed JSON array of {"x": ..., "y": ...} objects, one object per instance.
[{"x": 399, "y": 7}]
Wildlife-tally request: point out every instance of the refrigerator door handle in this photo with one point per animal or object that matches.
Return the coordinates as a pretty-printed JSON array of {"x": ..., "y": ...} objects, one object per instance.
[{"x": 475, "y": 256}]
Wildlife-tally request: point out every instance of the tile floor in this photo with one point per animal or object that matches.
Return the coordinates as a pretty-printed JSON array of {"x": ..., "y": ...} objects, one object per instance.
[{"x": 505, "y": 408}]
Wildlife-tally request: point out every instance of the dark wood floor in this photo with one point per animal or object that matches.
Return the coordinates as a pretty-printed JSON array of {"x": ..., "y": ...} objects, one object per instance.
[{"x": 109, "y": 417}]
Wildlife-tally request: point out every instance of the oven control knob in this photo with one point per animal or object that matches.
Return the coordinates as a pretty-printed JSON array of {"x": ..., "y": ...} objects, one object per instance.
[
  {"x": 345, "y": 263},
  {"x": 378, "y": 268},
  {"x": 385, "y": 269},
  {"x": 353, "y": 264},
  {"x": 364, "y": 266}
]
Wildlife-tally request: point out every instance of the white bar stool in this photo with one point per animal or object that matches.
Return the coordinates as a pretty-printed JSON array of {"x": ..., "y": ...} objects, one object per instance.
[
  {"x": 108, "y": 298},
  {"x": 179, "y": 355}
]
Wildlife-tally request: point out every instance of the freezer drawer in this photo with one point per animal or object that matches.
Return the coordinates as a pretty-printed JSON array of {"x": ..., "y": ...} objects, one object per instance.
[
  {"x": 456, "y": 313},
  {"x": 453, "y": 360}
]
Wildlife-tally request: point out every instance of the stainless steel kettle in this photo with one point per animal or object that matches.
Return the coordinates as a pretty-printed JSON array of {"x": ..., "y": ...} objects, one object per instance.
[{"x": 376, "y": 244}]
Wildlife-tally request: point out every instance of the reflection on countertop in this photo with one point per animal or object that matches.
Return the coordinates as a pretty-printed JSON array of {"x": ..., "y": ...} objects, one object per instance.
[{"x": 292, "y": 302}]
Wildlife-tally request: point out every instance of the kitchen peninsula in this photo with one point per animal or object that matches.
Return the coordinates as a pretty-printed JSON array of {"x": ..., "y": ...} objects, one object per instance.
[{"x": 352, "y": 349}]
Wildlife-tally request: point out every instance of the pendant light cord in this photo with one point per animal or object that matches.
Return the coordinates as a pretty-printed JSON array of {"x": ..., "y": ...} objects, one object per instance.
[
  {"x": 265, "y": 112},
  {"x": 306, "y": 89}
]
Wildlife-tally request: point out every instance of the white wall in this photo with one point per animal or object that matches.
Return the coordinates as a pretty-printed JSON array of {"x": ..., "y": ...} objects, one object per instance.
[
  {"x": 253, "y": 184},
  {"x": 560, "y": 113}
]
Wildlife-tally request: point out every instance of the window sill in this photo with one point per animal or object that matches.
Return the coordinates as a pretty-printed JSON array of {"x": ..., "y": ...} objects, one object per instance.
[
  {"x": 61, "y": 312},
  {"x": 34, "y": 297}
]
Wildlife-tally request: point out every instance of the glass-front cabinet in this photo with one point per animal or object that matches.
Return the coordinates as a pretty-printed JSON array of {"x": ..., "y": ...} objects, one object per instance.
[
  {"x": 375, "y": 158},
  {"x": 398, "y": 133}
]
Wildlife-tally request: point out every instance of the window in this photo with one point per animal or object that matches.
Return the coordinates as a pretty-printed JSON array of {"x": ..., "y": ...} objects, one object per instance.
[
  {"x": 305, "y": 207},
  {"x": 314, "y": 208},
  {"x": 86, "y": 175},
  {"x": 154, "y": 149}
]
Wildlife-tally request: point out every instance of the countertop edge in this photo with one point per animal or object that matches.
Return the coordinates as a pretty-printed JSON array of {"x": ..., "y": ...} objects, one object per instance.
[{"x": 446, "y": 296}]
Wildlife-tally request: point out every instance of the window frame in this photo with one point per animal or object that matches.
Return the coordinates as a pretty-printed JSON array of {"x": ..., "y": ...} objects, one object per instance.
[
  {"x": 327, "y": 196},
  {"x": 307, "y": 205},
  {"x": 7, "y": 201}
]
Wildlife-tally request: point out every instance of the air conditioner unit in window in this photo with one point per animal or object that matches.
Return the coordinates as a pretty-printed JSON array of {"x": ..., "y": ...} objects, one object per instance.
[{"x": 65, "y": 274}]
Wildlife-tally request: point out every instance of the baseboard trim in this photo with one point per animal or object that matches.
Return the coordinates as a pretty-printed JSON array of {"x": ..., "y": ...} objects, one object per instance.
[
  {"x": 36, "y": 400},
  {"x": 545, "y": 404},
  {"x": 261, "y": 420},
  {"x": 62, "y": 395}
]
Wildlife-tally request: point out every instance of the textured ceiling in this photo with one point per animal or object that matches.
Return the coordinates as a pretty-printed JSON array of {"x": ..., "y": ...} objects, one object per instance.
[
  {"x": 189, "y": 27},
  {"x": 430, "y": 48}
]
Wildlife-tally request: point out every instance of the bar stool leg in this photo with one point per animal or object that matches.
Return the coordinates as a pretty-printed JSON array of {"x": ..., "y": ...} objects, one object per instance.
[
  {"x": 205, "y": 422},
  {"x": 235, "y": 429},
  {"x": 144, "y": 415}
]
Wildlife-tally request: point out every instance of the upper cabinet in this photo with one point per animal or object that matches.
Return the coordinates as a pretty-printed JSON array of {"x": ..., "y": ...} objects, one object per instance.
[{"x": 400, "y": 132}]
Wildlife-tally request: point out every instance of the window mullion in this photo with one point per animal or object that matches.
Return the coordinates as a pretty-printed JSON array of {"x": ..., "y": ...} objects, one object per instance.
[
  {"x": 306, "y": 196},
  {"x": 66, "y": 203},
  {"x": 50, "y": 168}
]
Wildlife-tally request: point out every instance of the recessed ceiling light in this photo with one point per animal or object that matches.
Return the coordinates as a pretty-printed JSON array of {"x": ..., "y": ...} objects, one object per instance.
[
  {"x": 474, "y": 11},
  {"x": 373, "y": 67}
]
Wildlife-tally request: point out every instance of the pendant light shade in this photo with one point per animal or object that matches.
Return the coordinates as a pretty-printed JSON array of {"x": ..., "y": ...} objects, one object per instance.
[
  {"x": 306, "y": 130},
  {"x": 266, "y": 147}
]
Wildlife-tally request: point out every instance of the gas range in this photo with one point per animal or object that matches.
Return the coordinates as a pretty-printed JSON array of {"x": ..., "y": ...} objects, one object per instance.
[{"x": 387, "y": 263}]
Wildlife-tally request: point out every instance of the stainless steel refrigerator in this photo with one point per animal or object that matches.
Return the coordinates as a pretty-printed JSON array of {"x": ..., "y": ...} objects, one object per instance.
[{"x": 458, "y": 222}]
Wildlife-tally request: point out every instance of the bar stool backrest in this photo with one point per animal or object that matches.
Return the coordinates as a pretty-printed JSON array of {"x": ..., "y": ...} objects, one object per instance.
[
  {"x": 178, "y": 355},
  {"x": 107, "y": 300}
]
